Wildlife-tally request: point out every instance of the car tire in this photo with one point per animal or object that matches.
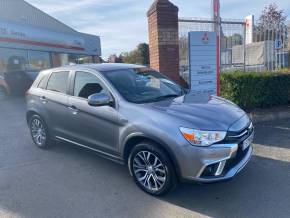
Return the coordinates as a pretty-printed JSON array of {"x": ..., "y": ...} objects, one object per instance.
[
  {"x": 152, "y": 169},
  {"x": 2, "y": 93},
  {"x": 39, "y": 132}
]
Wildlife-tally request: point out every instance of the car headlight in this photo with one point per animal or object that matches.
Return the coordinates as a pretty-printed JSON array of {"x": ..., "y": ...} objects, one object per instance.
[{"x": 202, "y": 138}]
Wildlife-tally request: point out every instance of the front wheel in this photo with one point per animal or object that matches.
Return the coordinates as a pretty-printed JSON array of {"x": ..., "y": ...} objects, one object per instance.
[{"x": 152, "y": 169}]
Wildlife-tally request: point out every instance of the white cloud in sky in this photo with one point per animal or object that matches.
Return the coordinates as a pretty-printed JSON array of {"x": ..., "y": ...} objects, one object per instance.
[{"x": 122, "y": 24}]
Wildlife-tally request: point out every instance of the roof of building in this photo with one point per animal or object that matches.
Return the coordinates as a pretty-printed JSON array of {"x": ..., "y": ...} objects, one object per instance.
[{"x": 20, "y": 11}]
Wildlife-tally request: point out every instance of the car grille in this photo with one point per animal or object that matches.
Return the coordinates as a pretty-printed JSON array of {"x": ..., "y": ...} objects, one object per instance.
[
  {"x": 230, "y": 163},
  {"x": 237, "y": 159},
  {"x": 237, "y": 137}
]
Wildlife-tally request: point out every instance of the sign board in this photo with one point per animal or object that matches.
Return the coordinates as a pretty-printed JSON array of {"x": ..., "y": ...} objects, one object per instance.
[
  {"x": 278, "y": 44},
  {"x": 203, "y": 63},
  {"x": 38, "y": 38},
  {"x": 249, "y": 21},
  {"x": 25, "y": 32}
]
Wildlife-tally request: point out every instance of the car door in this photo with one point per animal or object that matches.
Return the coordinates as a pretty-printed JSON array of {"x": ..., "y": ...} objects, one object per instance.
[
  {"x": 55, "y": 102},
  {"x": 95, "y": 127}
]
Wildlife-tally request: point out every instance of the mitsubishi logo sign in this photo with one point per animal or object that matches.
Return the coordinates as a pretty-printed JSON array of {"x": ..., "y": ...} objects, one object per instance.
[
  {"x": 203, "y": 65},
  {"x": 205, "y": 38}
]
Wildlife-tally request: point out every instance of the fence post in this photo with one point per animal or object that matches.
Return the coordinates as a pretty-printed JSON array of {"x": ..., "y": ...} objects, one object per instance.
[{"x": 244, "y": 45}]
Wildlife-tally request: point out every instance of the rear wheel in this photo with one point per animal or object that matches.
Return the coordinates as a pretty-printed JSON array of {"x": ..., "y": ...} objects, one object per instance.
[
  {"x": 152, "y": 169},
  {"x": 39, "y": 132}
]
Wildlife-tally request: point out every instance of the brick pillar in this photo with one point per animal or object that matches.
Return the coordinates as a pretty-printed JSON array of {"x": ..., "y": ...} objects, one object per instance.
[{"x": 163, "y": 39}]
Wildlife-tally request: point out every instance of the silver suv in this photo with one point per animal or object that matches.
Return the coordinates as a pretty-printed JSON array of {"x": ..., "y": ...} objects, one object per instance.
[{"x": 136, "y": 116}]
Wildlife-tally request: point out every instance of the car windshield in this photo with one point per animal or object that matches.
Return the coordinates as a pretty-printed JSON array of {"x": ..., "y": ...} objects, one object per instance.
[{"x": 143, "y": 85}]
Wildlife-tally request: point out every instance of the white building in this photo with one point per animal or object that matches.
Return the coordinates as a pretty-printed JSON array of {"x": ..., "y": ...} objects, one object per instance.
[{"x": 33, "y": 40}]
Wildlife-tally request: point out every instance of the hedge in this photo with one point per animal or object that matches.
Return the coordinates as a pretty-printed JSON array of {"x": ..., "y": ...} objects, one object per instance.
[{"x": 256, "y": 90}]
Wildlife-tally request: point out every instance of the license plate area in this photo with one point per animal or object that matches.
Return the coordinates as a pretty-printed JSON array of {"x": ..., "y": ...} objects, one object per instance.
[{"x": 248, "y": 142}]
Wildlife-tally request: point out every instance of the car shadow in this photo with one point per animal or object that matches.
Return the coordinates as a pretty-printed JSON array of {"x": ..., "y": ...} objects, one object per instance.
[{"x": 261, "y": 190}]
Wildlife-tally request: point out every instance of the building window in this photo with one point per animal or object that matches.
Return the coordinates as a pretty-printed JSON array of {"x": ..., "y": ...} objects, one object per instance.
[
  {"x": 62, "y": 59},
  {"x": 97, "y": 59},
  {"x": 85, "y": 59},
  {"x": 39, "y": 60},
  {"x": 73, "y": 59},
  {"x": 59, "y": 59},
  {"x": 12, "y": 60}
]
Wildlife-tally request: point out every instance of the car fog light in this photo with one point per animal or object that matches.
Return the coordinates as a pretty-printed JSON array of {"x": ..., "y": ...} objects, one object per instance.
[{"x": 220, "y": 168}]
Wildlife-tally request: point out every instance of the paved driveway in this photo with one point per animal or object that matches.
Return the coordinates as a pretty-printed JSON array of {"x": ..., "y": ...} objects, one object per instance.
[{"x": 69, "y": 182}]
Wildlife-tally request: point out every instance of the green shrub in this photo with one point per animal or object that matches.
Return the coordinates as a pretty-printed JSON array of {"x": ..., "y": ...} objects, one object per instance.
[{"x": 256, "y": 90}]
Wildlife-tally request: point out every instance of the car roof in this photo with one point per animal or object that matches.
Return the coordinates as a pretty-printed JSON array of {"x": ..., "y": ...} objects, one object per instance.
[{"x": 100, "y": 67}]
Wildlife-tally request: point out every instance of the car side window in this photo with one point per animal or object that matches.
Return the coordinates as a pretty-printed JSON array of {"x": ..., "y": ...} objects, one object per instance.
[
  {"x": 43, "y": 82},
  {"x": 87, "y": 84},
  {"x": 58, "y": 82}
]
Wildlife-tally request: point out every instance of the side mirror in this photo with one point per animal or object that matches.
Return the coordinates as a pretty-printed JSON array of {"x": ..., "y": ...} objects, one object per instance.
[{"x": 99, "y": 99}]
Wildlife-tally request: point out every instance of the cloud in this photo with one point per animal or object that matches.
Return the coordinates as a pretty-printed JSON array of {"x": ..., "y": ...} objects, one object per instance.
[{"x": 122, "y": 24}]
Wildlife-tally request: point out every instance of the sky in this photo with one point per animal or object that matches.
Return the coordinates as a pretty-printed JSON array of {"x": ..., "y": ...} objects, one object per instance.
[{"x": 122, "y": 24}]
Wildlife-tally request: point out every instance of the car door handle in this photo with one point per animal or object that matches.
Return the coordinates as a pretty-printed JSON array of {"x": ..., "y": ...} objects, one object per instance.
[
  {"x": 74, "y": 110},
  {"x": 43, "y": 99}
]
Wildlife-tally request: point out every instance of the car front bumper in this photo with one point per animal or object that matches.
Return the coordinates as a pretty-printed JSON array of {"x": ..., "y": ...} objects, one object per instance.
[
  {"x": 230, "y": 173},
  {"x": 225, "y": 161}
]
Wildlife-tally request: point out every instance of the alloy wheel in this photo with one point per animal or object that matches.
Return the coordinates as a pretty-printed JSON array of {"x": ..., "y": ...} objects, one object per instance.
[
  {"x": 38, "y": 132},
  {"x": 149, "y": 171}
]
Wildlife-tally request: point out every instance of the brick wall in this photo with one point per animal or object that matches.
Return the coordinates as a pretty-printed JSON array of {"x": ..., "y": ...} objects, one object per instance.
[{"x": 163, "y": 38}]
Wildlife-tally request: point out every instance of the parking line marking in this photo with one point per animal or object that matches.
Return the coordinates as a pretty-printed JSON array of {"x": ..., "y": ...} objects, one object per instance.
[
  {"x": 276, "y": 127},
  {"x": 271, "y": 152}
]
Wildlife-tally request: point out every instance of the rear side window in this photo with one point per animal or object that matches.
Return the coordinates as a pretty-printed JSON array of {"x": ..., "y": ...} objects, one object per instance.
[
  {"x": 58, "y": 82},
  {"x": 43, "y": 82}
]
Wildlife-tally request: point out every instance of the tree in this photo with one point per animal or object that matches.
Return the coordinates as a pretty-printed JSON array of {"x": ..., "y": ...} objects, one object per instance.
[
  {"x": 232, "y": 40},
  {"x": 271, "y": 24},
  {"x": 138, "y": 56},
  {"x": 115, "y": 59},
  {"x": 272, "y": 19}
]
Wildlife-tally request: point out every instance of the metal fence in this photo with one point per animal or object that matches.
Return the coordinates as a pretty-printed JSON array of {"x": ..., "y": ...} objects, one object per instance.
[{"x": 267, "y": 50}]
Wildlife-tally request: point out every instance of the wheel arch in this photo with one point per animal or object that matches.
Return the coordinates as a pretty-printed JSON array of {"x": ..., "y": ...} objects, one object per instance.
[
  {"x": 32, "y": 112},
  {"x": 29, "y": 114},
  {"x": 135, "y": 139}
]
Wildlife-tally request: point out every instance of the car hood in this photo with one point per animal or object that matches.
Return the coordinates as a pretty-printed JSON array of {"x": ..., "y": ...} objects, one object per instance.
[{"x": 204, "y": 113}]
